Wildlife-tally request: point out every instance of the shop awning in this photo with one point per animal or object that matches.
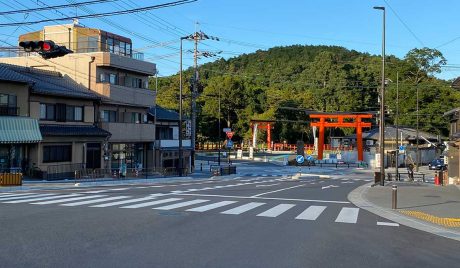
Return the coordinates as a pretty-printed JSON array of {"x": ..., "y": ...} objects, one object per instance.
[{"x": 15, "y": 129}]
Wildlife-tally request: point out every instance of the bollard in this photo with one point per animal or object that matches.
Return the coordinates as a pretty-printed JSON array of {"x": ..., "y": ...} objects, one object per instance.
[
  {"x": 394, "y": 202},
  {"x": 201, "y": 166}
]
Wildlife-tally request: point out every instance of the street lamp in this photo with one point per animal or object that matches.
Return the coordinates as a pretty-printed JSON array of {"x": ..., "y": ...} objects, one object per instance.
[
  {"x": 180, "y": 107},
  {"x": 382, "y": 106}
]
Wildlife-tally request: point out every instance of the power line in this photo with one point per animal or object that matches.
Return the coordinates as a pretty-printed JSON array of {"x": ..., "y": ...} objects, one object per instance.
[
  {"x": 403, "y": 23},
  {"x": 30, "y": 10},
  {"x": 107, "y": 14}
]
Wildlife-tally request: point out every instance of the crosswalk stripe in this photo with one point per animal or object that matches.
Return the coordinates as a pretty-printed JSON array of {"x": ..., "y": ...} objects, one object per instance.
[
  {"x": 41, "y": 198},
  {"x": 393, "y": 224},
  {"x": 157, "y": 202},
  {"x": 66, "y": 200},
  {"x": 348, "y": 215},
  {"x": 276, "y": 211},
  {"x": 182, "y": 204},
  {"x": 12, "y": 194},
  {"x": 123, "y": 202},
  {"x": 94, "y": 201},
  {"x": 96, "y": 192},
  {"x": 243, "y": 208},
  {"x": 22, "y": 196},
  {"x": 311, "y": 213},
  {"x": 120, "y": 189},
  {"x": 211, "y": 206}
]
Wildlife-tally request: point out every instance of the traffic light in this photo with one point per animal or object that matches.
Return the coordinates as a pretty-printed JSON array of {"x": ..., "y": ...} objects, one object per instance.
[{"x": 47, "y": 49}]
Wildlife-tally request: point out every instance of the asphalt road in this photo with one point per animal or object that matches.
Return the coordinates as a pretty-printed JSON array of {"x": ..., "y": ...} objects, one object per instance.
[{"x": 249, "y": 221}]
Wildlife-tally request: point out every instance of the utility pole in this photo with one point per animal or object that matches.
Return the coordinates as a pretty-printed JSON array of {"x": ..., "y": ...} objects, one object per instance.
[
  {"x": 197, "y": 36},
  {"x": 397, "y": 126},
  {"x": 417, "y": 152},
  {"x": 382, "y": 106}
]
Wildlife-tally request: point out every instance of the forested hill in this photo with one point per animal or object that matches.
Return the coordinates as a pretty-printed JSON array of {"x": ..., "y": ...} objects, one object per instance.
[{"x": 278, "y": 83}]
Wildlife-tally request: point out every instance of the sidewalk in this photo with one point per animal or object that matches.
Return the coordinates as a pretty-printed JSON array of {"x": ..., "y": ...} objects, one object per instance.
[{"x": 434, "y": 209}]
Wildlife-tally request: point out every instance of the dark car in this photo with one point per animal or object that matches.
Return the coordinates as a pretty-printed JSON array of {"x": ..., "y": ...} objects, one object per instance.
[{"x": 437, "y": 164}]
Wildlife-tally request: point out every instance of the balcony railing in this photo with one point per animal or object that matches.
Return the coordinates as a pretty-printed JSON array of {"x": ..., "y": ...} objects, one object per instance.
[{"x": 9, "y": 111}]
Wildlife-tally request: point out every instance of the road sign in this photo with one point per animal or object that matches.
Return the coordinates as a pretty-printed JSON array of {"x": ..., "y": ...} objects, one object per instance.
[
  {"x": 299, "y": 159},
  {"x": 402, "y": 148},
  {"x": 226, "y": 129},
  {"x": 230, "y": 134},
  {"x": 229, "y": 143},
  {"x": 309, "y": 152},
  {"x": 310, "y": 158}
]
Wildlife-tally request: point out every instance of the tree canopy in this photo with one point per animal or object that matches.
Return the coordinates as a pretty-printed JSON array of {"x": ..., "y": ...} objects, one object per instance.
[{"x": 282, "y": 82}]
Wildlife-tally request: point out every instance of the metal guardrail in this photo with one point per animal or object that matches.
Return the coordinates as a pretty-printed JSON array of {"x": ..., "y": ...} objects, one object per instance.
[
  {"x": 62, "y": 170},
  {"x": 117, "y": 174}
]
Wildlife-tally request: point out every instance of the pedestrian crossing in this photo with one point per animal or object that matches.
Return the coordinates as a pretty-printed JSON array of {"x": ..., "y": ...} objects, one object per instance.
[{"x": 296, "y": 211}]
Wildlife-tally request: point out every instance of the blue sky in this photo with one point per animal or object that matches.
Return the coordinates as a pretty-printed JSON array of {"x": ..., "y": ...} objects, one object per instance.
[{"x": 246, "y": 26}]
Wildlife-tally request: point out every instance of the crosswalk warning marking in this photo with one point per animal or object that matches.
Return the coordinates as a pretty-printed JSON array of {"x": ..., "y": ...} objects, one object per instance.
[
  {"x": 348, "y": 215},
  {"x": 182, "y": 204},
  {"x": 94, "y": 201},
  {"x": 276, "y": 211},
  {"x": 152, "y": 203},
  {"x": 211, "y": 206},
  {"x": 41, "y": 198},
  {"x": 123, "y": 202},
  {"x": 311, "y": 213},
  {"x": 243, "y": 208},
  {"x": 21, "y": 197},
  {"x": 67, "y": 200}
]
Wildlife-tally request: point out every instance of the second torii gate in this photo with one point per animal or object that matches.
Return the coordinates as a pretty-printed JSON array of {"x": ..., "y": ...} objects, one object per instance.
[
  {"x": 264, "y": 125},
  {"x": 338, "y": 121}
]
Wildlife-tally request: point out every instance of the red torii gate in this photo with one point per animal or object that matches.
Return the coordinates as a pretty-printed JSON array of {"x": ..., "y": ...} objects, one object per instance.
[
  {"x": 338, "y": 121},
  {"x": 264, "y": 125}
]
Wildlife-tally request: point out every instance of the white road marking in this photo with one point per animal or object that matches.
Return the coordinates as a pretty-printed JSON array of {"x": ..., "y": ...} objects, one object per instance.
[
  {"x": 211, "y": 206},
  {"x": 41, "y": 198},
  {"x": 120, "y": 189},
  {"x": 142, "y": 187},
  {"x": 11, "y": 195},
  {"x": 311, "y": 213},
  {"x": 348, "y": 215},
  {"x": 182, "y": 204},
  {"x": 276, "y": 211},
  {"x": 96, "y": 192},
  {"x": 123, "y": 202},
  {"x": 347, "y": 182},
  {"x": 94, "y": 201},
  {"x": 152, "y": 203},
  {"x": 67, "y": 199},
  {"x": 279, "y": 190},
  {"x": 269, "y": 198},
  {"x": 267, "y": 185},
  {"x": 243, "y": 208},
  {"x": 22, "y": 197},
  {"x": 388, "y": 224},
  {"x": 329, "y": 186}
]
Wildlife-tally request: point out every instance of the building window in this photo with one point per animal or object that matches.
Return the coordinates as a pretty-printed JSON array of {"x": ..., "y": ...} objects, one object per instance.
[
  {"x": 110, "y": 44},
  {"x": 57, "y": 153},
  {"x": 109, "y": 116},
  {"x": 47, "y": 112},
  {"x": 74, "y": 113},
  {"x": 128, "y": 49},
  {"x": 113, "y": 79},
  {"x": 136, "y": 118},
  {"x": 8, "y": 104}
]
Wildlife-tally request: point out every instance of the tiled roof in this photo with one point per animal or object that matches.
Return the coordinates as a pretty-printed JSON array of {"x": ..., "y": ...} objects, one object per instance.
[
  {"x": 165, "y": 114},
  {"x": 73, "y": 130},
  {"x": 47, "y": 82},
  {"x": 8, "y": 74},
  {"x": 390, "y": 133}
]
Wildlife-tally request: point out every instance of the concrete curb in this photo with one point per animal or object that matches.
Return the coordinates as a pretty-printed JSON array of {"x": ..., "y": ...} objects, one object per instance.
[{"x": 357, "y": 198}]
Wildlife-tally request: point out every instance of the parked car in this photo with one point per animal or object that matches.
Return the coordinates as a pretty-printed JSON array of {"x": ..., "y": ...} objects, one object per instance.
[{"x": 437, "y": 164}]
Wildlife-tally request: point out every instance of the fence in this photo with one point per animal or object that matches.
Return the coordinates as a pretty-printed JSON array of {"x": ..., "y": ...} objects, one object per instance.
[
  {"x": 62, "y": 171},
  {"x": 117, "y": 174}
]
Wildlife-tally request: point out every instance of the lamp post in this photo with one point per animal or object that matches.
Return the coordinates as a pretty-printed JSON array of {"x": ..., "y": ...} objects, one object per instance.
[
  {"x": 180, "y": 109},
  {"x": 382, "y": 106}
]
